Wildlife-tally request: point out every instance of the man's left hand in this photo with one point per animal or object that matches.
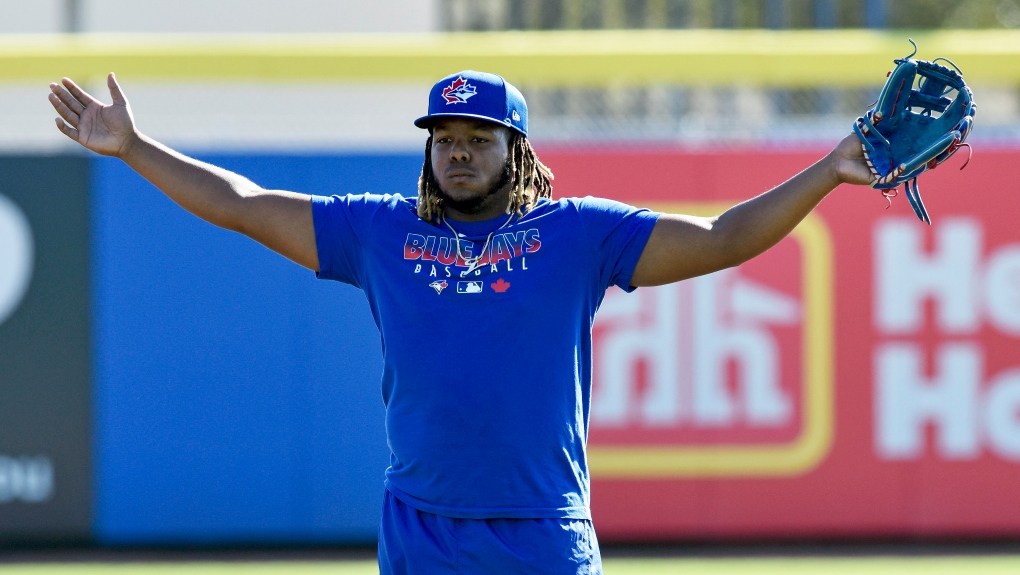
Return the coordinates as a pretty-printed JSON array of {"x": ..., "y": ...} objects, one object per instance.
[{"x": 848, "y": 163}]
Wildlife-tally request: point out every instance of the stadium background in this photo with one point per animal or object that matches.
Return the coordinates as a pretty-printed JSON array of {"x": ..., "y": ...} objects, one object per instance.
[{"x": 165, "y": 383}]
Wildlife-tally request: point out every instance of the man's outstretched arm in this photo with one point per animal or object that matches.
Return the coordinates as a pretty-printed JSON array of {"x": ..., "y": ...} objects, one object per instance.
[
  {"x": 683, "y": 247},
  {"x": 282, "y": 221}
]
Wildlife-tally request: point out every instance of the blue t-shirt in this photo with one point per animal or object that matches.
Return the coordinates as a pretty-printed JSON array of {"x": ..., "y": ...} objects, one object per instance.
[{"x": 487, "y": 374}]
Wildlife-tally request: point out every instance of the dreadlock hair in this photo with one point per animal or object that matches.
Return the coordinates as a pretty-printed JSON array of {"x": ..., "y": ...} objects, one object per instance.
[{"x": 530, "y": 180}]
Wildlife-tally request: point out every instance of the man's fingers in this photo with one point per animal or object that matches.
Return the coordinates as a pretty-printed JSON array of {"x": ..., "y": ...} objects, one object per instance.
[
  {"x": 67, "y": 130},
  {"x": 65, "y": 97},
  {"x": 66, "y": 113},
  {"x": 79, "y": 94},
  {"x": 115, "y": 92}
]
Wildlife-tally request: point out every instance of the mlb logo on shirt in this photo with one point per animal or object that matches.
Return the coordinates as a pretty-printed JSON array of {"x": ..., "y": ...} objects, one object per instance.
[{"x": 469, "y": 287}]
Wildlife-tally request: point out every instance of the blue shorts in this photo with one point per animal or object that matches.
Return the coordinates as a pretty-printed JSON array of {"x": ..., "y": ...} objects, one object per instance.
[{"x": 413, "y": 542}]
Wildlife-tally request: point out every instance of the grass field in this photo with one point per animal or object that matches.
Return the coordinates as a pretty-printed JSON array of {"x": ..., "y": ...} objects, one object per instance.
[{"x": 942, "y": 565}]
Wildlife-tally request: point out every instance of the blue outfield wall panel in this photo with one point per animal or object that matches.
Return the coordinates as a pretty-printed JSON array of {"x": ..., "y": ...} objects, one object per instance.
[{"x": 236, "y": 397}]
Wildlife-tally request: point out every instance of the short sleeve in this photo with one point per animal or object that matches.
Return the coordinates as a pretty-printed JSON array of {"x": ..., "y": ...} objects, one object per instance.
[
  {"x": 340, "y": 224},
  {"x": 617, "y": 233}
]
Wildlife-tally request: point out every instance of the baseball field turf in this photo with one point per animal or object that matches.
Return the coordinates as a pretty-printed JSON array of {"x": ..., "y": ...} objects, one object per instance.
[{"x": 969, "y": 565}]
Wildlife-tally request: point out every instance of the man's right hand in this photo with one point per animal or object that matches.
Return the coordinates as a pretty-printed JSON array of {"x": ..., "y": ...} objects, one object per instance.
[
  {"x": 278, "y": 219},
  {"x": 104, "y": 129}
]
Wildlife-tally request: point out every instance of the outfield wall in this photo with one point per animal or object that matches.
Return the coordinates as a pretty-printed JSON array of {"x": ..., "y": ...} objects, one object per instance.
[
  {"x": 46, "y": 454},
  {"x": 166, "y": 382}
]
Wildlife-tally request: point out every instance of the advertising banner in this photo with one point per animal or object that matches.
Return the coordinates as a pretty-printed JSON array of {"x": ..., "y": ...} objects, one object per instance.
[
  {"x": 45, "y": 407},
  {"x": 861, "y": 378}
]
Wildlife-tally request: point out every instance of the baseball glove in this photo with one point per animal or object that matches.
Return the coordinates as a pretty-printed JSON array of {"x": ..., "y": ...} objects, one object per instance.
[{"x": 902, "y": 137}]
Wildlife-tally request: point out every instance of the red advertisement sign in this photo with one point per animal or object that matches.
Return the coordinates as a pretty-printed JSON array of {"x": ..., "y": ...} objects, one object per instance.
[{"x": 861, "y": 378}]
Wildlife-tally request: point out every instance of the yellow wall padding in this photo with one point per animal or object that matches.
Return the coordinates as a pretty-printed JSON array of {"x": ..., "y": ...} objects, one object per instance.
[{"x": 588, "y": 58}]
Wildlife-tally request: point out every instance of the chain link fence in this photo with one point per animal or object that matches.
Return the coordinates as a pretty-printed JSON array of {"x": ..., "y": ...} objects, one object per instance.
[
  {"x": 461, "y": 15},
  {"x": 733, "y": 115}
]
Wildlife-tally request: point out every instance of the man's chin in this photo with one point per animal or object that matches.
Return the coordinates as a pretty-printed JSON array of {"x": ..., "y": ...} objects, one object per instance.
[
  {"x": 465, "y": 204},
  {"x": 463, "y": 200},
  {"x": 471, "y": 201}
]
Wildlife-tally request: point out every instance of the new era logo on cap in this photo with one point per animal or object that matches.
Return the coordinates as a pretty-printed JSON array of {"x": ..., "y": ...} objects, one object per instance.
[{"x": 458, "y": 91}]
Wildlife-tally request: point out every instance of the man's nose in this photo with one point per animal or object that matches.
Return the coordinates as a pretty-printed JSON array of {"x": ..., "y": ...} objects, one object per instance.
[{"x": 459, "y": 153}]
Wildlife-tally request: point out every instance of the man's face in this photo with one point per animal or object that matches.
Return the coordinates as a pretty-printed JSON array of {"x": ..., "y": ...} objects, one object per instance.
[{"x": 469, "y": 160}]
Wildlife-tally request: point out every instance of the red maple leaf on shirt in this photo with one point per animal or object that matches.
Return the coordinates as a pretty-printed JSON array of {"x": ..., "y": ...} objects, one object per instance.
[{"x": 500, "y": 286}]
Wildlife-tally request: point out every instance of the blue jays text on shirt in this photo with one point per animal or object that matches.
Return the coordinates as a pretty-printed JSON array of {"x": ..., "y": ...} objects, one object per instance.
[{"x": 502, "y": 251}]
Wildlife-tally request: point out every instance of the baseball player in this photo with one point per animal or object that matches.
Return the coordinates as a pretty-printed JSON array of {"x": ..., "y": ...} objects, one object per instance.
[{"x": 484, "y": 289}]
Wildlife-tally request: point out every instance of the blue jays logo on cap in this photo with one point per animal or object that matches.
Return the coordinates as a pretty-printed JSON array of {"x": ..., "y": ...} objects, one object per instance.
[
  {"x": 458, "y": 91},
  {"x": 471, "y": 94}
]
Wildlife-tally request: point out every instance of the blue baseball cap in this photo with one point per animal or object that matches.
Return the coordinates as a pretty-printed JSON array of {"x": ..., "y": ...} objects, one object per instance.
[{"x": 471, "y": 94}]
